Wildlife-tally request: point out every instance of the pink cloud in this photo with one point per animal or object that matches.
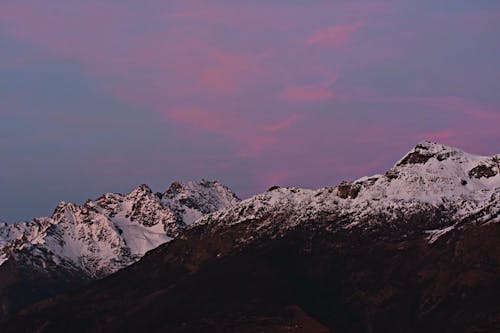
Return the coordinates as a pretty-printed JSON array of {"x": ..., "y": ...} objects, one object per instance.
[
  {"x": 276, "y": 178},
  {"x": 310, "y": 93},
  {"x": 463, "y": 123},
  {"x": 250, "y": 137},
  {"x": 450, "y": 103},
  {"x": 226, "y": 86},
  {"x": 229, "y": 71},
  {"x": 334, "y": 36},
  {"x": 443, "y": 136},
  {"x": 284, "y": 124},
  {"x": 468, "y": 107},
  {"x": 306, "y": 93},
  {"x": 207, "y": 120}
]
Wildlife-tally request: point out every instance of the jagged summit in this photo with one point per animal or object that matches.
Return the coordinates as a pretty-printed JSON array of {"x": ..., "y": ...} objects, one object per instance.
[
  {"x": 434, "y": 173},
  {"x": 190, "y": 201},
  {"x": 142, "y": 189},
  {"x": 78, "y": 243},
  {"x": 113, "y": 231},
  {"x": 426, "y": 150}
]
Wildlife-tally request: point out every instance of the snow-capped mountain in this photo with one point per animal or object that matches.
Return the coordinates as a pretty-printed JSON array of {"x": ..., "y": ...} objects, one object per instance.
[
  {"x": 76, "y": 244},
  {"x": 436, "y": 179},
  {"x": 412, "y": 250},
  {"x": 115, "y": 230}
]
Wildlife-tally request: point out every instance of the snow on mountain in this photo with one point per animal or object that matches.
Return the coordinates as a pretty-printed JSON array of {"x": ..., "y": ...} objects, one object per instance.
[
  {"x": 443, "y": 181},
  {"x": 113, "y": 231},
  {"x": 433, "y": 192},
  {"x": 190, "y": 201}
]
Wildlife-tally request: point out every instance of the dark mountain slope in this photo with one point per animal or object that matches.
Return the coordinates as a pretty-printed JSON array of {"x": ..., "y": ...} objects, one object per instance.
[{"x": 347, "y": 281}]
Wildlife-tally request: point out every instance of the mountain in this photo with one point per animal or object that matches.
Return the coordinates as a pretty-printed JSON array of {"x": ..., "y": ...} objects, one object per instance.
[
  {"x": 412, "y": 250},
  {"x": 77, "y": 244}
]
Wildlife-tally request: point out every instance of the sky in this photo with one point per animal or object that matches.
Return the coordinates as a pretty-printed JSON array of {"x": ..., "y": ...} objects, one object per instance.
[{"x": 103, "y": 95}]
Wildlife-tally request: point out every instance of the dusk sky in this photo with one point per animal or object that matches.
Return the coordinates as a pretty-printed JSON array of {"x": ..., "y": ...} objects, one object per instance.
[{"x": 103, "y": 95}]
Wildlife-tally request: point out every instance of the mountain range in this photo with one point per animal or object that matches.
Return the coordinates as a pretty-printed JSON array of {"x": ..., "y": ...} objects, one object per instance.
[
  {"x": 412, "y": 250},
  {"x": 77, "y": 244}
]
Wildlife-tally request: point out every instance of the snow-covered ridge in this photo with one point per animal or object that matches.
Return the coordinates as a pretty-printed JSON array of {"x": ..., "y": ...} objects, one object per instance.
[
  {"x": 430, "y": 178},
  {"x": 113, "y": 231}
]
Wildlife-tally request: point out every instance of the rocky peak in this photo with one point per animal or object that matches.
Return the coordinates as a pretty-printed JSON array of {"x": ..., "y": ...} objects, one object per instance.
[
  {"x": 65, "y": 212},
  {"x": 174, "y": 189},
  {"x": 113, "y": 231},
  {"x": 190, "y": 201},
  {"x": 434, "y": 174},
  {"x": 426, "y": 150},
  {"x": 141, "y": 191}
]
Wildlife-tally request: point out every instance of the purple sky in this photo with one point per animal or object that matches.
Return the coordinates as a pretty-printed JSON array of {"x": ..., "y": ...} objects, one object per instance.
[{"x": 102, "y": 95}]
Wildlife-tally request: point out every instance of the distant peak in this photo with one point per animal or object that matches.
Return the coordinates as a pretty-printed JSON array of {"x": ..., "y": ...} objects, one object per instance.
[
  {"x": 178, "y": 187},
  {"x": 208, "y": 183},
  {"x": 435, "y": 147},
  {"x": 63, "y": 204},
  {"x": 426, "y": 150},
  {"x": 174, "y": 189},
  {"x": 143, "y": 188},
  {"x": 62, "y": 207}
]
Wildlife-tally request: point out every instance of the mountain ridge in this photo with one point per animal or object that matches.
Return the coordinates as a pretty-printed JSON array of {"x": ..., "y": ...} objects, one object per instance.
[
  {"x": 435, "y": 181},
  {"x": 414, "y": 249}
]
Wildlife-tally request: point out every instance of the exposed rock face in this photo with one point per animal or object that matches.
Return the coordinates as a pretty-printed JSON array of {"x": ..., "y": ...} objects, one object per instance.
[
  {"x": 416, "y": 157},
  {"x": 483, "y": 171},
  {"x": 80, "y": 243},
  {"x": 416, "y": 251},
  {"x": 348, "y": 190}
]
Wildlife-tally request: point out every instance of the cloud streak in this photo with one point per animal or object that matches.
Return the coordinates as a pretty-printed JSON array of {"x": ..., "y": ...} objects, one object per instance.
[{"x": 334, "y": 36}]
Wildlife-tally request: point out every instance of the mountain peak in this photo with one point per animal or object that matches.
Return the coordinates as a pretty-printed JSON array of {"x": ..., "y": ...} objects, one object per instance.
[
  {"x": 63, "y": 207},
  {"x": 426, "y": 150},
  {"x": 141, "y": 190},
  {"x": 431, "y": 173},
  {"x": 442, "y": 158},
  {"x": 191, "y": 200}
]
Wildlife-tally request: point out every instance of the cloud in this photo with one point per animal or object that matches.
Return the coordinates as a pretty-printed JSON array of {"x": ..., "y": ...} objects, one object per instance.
[
  {"x": 335, "y": 36},
  {"x": 284, "y": 124},
  {"x": 276, "y": 178},
  {"x": 306, "y": 93},
  {"x": 250, "y": 136},
  {"x": 229, "y": 71},
  {"x": 464, "y": 106},
  {"x": 450, "y": 120},
  {"x": 446, "y": 135},
  {"x": 212, "y": 121},
  {"x": 310, "y": 93}
]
